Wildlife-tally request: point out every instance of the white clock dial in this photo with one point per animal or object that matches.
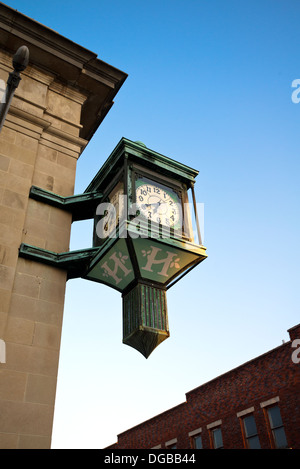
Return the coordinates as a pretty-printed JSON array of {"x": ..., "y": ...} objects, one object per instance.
[{"x": 158, "y": 203}]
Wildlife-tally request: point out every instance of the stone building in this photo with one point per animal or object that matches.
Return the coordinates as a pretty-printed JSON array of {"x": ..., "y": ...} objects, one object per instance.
[
  {"x": 64, "y": 95},
  {"x": 254, "y": 406}
]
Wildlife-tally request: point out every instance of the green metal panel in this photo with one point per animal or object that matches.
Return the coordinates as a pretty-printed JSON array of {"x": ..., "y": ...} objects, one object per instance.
[
  {"x": 139, "y": 153},
  {"x": 145, "y": 318},
  {"x": 113, "y": 266},
  {"x": 82, "y": 206},
  {"x": 161, "y": 262},
  {"x": 74, "y": 262}
]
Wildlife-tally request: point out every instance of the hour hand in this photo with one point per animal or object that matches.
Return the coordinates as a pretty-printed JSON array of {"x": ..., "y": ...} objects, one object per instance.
[{"x": 152, "y": 205}]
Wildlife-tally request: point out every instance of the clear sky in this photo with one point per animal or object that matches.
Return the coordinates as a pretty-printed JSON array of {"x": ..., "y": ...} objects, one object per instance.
[{"x": 210, "y": 85}]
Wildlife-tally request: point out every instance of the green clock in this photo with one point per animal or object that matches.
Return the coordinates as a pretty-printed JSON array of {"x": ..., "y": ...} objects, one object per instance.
[
  {"x": 159, "y": 203},
  {"x": 143, "y": 240}
]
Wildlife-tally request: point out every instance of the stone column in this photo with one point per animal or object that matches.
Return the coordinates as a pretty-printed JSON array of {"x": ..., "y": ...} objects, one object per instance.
[
  {"x": 64, "y": 94},
  {"x": 39, "y": 145}
]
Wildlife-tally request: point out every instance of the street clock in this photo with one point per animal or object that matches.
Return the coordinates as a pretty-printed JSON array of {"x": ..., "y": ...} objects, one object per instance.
[
  {"x": 143, "y": 205},
  {"x": 144, "y": 232}
]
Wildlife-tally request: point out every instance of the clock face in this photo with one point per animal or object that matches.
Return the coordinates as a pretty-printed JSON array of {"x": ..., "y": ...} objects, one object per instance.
[
  {"x": 113, "y": 210},
  {"x": 158, "y": 203}
]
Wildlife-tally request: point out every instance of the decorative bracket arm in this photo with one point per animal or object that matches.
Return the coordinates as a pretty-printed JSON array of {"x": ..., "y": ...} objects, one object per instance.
[
  {"x": 74, "y": 262},
  {"x": 82, "y": 206}
]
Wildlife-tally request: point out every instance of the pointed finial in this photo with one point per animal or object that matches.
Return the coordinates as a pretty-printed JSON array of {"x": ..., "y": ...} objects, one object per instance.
[{"x": 21, "y": 59}]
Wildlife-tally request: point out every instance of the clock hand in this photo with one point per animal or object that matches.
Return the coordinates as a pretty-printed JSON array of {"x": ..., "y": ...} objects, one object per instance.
[
  {"x": 158, "y": 206},
  {"x": 151, "y": 205}
]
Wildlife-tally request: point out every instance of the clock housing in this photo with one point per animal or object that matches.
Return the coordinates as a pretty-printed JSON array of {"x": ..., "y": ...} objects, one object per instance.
[{"x": 144, "y": 234}]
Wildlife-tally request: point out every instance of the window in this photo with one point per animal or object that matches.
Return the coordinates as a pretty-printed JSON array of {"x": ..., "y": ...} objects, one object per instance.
[
  {"x": 251, "y": 432},
  {"x": 215, "y": 434},
  {"x": 217, "y": 438},
  {"x": 197, "y": 442},
  {"x": 277, "y": 427},
  {"x": 196, "y": 439}
]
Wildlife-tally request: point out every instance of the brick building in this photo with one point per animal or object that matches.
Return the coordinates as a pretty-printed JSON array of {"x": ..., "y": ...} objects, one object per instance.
[{"x": 256, "y": 405}]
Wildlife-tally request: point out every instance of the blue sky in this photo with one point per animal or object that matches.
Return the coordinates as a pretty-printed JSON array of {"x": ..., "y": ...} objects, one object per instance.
[{"x": 209, "y": 85}]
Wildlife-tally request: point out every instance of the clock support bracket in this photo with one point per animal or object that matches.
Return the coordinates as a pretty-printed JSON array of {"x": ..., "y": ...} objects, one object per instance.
[{"x": 82, "y": 207}]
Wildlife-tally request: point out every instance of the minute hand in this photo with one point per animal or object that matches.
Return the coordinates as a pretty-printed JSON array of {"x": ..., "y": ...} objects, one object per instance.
[
  {"x": 157, "y": 206},
  {"x": 151, "y": 205}
]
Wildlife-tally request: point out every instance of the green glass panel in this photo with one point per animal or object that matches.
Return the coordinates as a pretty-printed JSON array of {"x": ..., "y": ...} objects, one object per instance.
[
  {"x": 113, "y": 268},
  {"x": 160, "y": 262}
]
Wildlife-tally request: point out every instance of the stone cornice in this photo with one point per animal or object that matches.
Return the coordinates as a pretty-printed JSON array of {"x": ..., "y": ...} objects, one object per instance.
[
  {"x": 43, "y": 128},
  {"x": 69, "y": 62}
]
